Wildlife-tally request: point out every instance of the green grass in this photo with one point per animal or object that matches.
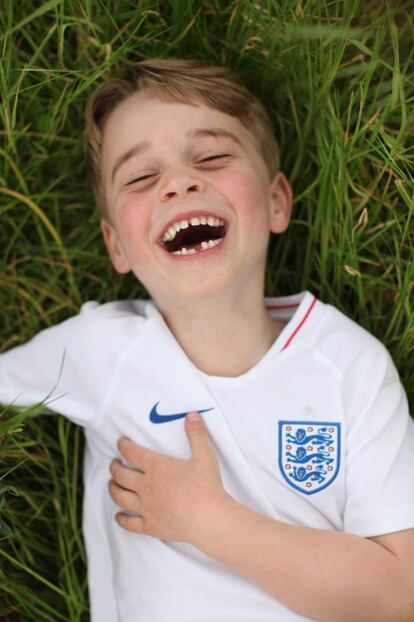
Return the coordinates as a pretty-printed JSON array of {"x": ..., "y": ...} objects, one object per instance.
[{"x": 337, "y": 79}]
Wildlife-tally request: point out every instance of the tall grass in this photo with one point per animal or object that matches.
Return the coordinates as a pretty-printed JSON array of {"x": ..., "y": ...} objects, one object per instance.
[{"x": 337, "y": 79}]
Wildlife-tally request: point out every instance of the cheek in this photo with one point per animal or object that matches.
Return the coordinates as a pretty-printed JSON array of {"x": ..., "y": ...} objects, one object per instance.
[
  {"x": 132, "y": 217},
  {"x": 132, "y": 226},
  {"x": 246, "y": 193}
]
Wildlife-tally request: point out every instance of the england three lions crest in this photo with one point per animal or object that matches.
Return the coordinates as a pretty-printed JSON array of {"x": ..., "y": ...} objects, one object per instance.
[{"x": 309, "y": 454}]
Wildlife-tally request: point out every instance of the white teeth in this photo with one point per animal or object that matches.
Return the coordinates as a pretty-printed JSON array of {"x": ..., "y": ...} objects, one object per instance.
[
  {"x": 170, "y": 234},
  {"x": 204, "y": 246},
  {"x": 210, "y": 244}
]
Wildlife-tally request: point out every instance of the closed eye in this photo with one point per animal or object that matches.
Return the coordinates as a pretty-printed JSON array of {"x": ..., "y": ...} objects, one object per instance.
[
  {"x": 216, "y": 157},
  {"x": 133, "y": 181},
  {"x": 223, "y": 155}
]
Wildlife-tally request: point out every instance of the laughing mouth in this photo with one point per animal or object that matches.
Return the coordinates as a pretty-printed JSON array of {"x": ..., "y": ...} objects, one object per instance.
[{"x": 194, "y": 235}]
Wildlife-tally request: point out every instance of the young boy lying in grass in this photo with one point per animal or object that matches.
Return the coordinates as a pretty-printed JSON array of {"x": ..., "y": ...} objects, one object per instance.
[{"x": 290, "y": 496}]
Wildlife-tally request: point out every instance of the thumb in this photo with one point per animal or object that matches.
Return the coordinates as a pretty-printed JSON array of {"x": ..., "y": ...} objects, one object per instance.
[{"x": 197, "y": 433}]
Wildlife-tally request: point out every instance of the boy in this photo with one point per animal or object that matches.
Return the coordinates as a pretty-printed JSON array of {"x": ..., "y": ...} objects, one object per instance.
[{"x": 292, "y": 498}]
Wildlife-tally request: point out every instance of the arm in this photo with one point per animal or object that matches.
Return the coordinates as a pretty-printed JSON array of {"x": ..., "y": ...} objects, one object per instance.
[
  {"x": 331, "y": 576},
  {"x": 48, "y": 369}
]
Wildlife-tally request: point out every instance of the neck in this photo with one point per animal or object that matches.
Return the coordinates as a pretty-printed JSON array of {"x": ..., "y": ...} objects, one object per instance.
[{"x": 223, "y": 336}]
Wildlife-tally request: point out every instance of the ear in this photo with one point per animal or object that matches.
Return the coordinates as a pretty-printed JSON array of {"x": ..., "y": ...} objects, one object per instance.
[
  {"x": 281, "y": 196},
  {"x": 114, "y": 247}
]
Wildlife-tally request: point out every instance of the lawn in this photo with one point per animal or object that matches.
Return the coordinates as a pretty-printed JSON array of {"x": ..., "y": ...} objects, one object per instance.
[{"x": 337, "y": 79}]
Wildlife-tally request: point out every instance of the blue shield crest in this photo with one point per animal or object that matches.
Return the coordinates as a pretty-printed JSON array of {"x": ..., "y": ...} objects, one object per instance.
[{"x": 309, "y": 454}]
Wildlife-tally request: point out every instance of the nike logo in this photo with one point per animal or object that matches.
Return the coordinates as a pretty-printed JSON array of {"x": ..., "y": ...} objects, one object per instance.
[{"x": 157, "y": 418}]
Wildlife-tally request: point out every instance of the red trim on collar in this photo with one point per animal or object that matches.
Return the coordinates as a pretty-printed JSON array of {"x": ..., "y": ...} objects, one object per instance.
[{"x": 299, "y": 326}]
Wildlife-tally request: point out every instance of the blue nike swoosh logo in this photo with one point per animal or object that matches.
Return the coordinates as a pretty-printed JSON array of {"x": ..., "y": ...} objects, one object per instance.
[{"x": 157, "y": 418}]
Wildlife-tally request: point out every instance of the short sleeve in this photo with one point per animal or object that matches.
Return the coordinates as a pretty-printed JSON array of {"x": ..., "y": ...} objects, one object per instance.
[
  {"x": 380, "y": 457},
  {"x": 46, "y": 369}
]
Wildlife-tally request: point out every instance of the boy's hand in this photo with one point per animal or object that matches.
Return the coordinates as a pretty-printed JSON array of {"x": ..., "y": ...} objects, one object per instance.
[{"x": 171, "y": 496}]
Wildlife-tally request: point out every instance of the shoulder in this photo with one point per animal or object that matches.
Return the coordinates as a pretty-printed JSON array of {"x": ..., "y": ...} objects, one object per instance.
[
  {"x": 129, "y": 310},
  {"x": 348, "y": 345},
  {"x": 119, "y": 308},
  {"x": 119, "y": 320},
  {"x": 110, "y": 325},
  {"x": 362, "y": 362}
]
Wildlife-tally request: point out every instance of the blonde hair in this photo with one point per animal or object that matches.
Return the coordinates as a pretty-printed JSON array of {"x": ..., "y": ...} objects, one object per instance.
[{"x": 176, "y": 80}]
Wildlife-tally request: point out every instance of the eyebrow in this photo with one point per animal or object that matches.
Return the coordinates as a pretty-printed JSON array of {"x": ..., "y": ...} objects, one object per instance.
[{"x": 194, "y": 133}]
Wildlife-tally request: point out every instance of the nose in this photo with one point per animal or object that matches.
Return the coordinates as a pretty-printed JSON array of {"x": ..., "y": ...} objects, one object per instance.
[{"x": 179, "y": 185}]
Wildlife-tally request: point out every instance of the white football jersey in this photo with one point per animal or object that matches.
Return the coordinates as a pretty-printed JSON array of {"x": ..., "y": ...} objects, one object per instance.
[{"x": 318, "y": 434}]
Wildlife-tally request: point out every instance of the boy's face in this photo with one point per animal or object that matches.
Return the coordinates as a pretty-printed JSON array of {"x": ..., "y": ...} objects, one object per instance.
[{"x": 191, "y": 172}]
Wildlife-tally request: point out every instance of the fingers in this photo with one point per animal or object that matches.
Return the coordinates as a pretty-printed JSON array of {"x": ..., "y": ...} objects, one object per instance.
[
  {"x": 135, "y": 454},
  {"x": 126, "y": 499},
  {"x": 123, "y": 490},
  {"x": 126, "y": 477},
  {"x": 196, "y": 429},
  {"x": 131, "y": 523}
]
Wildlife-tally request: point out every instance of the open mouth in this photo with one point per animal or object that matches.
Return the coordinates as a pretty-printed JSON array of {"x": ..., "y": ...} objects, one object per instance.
[{"x": 194, "y": 238}]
